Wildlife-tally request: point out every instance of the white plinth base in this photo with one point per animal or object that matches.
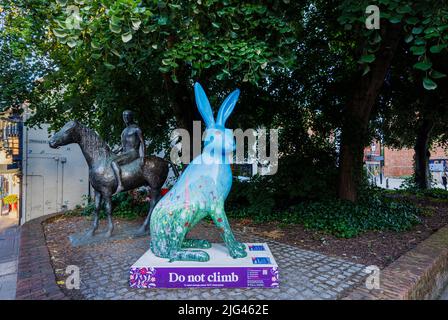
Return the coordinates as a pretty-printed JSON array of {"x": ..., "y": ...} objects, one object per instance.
[{"x": 257, "y": 270}]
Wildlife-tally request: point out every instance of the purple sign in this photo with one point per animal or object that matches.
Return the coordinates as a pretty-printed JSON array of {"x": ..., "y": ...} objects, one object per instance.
[{"x": 210, "y": 277}]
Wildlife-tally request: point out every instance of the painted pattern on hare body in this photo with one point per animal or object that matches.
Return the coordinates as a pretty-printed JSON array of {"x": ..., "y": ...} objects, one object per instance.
[{"x": 200, "y": 191}]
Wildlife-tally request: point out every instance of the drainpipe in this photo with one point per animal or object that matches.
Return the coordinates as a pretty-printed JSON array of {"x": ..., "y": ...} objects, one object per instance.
[
  {"x": 381, "y": 163},
  {"x": 58, "y": 205},
  {"x": 25, "y": 178},
  {"x": 63, "y": 161},
  {"x": 20, "y": 175}
]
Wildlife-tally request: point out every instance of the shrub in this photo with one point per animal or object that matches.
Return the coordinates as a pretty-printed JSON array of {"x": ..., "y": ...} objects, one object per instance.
[
  {"x": 435, "y": 193},
  {"x": 374, "y": 212},
  {"x": 345, "y": 219},
  {"x": 128, "y": 205},
  {"x": 409, "y": 184},
  {"x": 409, "y": 187}
]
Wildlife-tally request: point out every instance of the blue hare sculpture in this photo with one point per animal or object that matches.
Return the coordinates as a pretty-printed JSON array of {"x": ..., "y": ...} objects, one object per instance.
[{"x": 200, "y": 191}]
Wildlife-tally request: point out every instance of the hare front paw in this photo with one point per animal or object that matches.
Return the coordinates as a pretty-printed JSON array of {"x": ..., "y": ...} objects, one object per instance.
[
  {"x": 241, "y": 246},
  {"x": 237, "y": 250}
]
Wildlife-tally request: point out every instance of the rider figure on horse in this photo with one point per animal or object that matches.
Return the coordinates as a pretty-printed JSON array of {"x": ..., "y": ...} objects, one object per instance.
[{"x": 133, "y": 147}]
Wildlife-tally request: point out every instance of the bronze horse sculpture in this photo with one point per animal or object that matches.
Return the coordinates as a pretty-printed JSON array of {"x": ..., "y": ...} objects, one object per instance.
[{"x": 153, "y": 172}]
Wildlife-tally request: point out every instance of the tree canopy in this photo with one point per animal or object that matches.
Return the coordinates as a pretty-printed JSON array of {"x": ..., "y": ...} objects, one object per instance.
[{"x": 311, "y": 68}]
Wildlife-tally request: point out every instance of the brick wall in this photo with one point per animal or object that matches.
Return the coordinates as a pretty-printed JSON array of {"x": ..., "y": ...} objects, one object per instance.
[{"x": 398, "y": 163}]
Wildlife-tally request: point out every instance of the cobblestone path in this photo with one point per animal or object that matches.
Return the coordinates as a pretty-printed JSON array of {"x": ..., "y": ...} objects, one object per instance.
[{"x": 104, "y": 268}]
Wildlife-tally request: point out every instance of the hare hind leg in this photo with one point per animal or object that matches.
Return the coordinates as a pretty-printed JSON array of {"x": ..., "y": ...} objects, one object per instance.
[
  {"x": 236, "y": 249},
  {"x": 196, "y": 244},
  {"x": 190, "y": 255}
]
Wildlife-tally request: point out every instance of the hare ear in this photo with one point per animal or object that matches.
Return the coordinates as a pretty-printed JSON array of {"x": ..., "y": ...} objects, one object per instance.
[
  {"x": 227, "y": 107},
  {"x": 203, "y": 105}
]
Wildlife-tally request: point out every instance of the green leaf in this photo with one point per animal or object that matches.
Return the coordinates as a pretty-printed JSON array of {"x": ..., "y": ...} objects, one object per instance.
[
  {"x": 114, "y": 28},
  {"x": 95, "y": 45},
  {"x": 369, "y": 58},
  {"x": 136, "y": 24},
  {"x": 404, "y": 9},
  {"x": 96, "y": 56},
  {"x": 72, "y": 23},
  {"x": 418, "y": 50},
  {"x": 115, "y": 52},
  {"x": 164, "y": 69},
  {"x": 166, "y": 62},
  {"x": 438, "y": 48},
  {"x": 62, "y": 2},
  {"x": 412, "y": 20},
  {"x": 366, "y": 70},
  {"x": 126, "y": 37},
  {"x": 115, "y": 20},
  {"x": 419, "y": 41},
  {"x": 428, "y": 84},
  {"x": 423, "y": 65},
  {"x": 71, "y": 43},
  {"x": 220, "y": 76},
  {"x": 174, "y": 78},
  {"x": 162, "y": 21},
  {"x": 395, "y": 19},
  {"x": 437, "y": 75},
  {"x": 430, "y": 30},
  {"x": 442, "y": 28},
  {"x": 409, "y": 38},
  {"x": 417, "y": 30},
  {"x": 59, "y": 33},
  {"x": 109, "y": 65}
]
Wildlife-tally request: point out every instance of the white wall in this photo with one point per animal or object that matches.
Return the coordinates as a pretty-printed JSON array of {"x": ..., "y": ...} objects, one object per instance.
[{"x": 52, "y": 178}]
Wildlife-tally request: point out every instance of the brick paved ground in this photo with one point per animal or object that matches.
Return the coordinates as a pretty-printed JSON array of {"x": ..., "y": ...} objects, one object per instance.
[
  {"x": 8, "y": 257},
  {"x": 35, "y": 275},
  {"x": 105, "y": 268}
]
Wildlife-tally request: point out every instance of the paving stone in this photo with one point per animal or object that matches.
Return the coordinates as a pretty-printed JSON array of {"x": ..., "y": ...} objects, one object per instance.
[{"x": 303, "y": 274}]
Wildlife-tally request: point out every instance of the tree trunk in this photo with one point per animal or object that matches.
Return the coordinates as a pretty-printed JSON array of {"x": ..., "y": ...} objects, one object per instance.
[
  {"x": 357, "y": 116},
  {"x": 422, "y": 154}
]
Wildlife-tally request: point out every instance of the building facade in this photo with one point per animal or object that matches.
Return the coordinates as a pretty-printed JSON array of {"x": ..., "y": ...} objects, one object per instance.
[
  {"x": 399, "y": 163},
  {"x": 45, "y": 180},
  {"x": 10, "y": 160}
]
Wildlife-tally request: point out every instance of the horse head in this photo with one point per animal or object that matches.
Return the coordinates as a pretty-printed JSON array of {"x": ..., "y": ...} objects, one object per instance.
[{"x": 67, "y": 134}]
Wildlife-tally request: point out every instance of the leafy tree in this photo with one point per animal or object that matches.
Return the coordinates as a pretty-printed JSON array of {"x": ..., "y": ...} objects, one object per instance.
[
  {"x": 318, "y": 78},
  {"x": 423, "y": 26},
  {"x": 19, "y": 66},
  {"x": 411, "y": 116},
  {"x": 171, "y": 44}
]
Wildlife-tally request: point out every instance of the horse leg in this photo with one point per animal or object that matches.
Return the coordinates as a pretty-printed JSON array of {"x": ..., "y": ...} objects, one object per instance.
[
  {"x": 155, "y": 197},
  {"x": 108, "y": 207},
  {"x": 98, "y": 200}
]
